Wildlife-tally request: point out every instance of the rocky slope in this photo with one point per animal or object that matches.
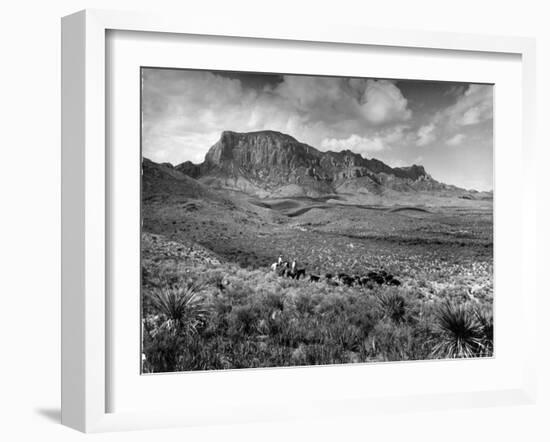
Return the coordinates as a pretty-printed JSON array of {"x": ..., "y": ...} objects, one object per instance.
[
  {"x": 269, "y": 163},
  {"x": 160, "y": 181}
]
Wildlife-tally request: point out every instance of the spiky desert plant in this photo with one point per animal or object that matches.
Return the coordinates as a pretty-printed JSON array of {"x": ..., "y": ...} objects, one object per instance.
[
  {"x": 183, "y": 307},
  {"x": 484, "y": 319},
  {"x": 392, "y": 306},
  {"x": 459, "y": 333}
]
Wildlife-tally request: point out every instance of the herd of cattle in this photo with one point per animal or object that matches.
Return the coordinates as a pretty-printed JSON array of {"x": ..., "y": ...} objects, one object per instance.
[{"x": 381, "y": 277}]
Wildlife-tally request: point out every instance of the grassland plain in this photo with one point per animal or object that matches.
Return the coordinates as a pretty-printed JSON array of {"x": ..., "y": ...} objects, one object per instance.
[{"x": 210, "y": 301}]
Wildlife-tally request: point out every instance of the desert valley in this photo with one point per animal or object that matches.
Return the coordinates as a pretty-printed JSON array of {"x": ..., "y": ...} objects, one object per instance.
[{"x": 396, "y": 265}]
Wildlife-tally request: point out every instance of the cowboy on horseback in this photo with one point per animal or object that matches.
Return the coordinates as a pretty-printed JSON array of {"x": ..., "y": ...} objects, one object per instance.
[
  {"x": 293, "y": 267},
  {"x": 277, "y": 263}
]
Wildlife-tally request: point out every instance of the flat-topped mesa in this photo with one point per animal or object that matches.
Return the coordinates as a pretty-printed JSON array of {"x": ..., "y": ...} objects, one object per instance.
[
  {"x": 259, "y": 150},
  {"x": 268, "y": 160}
]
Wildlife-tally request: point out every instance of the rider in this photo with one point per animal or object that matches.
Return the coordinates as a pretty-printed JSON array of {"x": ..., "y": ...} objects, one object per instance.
[{"x": 280, "y": 260}]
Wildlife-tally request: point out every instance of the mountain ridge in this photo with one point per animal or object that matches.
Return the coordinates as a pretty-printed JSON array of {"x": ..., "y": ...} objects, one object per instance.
[{"x": 270, "y": 163}]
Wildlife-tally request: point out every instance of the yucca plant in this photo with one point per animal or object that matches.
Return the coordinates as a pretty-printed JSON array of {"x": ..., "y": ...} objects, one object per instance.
[
  {"x": 392, "y": 306},
  {"x": 183, "y": 307},
  {"x": 484, "y": 319},
  {"x": 459, "y": 333}
]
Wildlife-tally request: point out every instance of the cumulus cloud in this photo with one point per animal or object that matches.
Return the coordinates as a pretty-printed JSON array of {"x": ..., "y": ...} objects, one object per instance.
[
  {"x": 366, "y": 145},
  {"x": 425, "y": 135},
  {"x": 355, "y": 143},
  {"x": 455, "y": 140},
  {"x": 383, "y": 102},
  {"x": 473, "y": 105},
  {"x": 183, "y": 109},
  {"x": 330, "y": 99}
]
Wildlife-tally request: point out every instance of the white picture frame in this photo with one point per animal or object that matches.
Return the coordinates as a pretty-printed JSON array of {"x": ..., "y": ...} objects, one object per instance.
[{"x": 85, "y": 202}]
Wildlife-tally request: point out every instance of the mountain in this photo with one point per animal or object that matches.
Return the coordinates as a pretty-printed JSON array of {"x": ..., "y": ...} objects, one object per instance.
[
  {"x": 269, "y": 163},
  {"x": 163, "y": 180}
]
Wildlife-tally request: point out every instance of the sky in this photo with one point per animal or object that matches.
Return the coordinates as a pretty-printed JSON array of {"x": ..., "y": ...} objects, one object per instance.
[{"x": 447, "y": 127}]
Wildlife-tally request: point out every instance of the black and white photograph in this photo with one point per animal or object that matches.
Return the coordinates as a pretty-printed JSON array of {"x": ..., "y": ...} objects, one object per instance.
[
  {"x": 275, "y": 222},
  {"x": 301, "y": 220}
]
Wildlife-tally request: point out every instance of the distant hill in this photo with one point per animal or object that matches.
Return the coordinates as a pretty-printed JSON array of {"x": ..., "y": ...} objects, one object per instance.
[
  {"x": 273, "y": 164},
  {"x": 162, "y": 180}
]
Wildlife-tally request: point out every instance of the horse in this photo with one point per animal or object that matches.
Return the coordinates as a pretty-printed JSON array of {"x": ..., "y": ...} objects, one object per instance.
[
  {"x": 314, "y": 278},
  {"x": 284, "y": 269},
  {"x": 298, "y": 273}
]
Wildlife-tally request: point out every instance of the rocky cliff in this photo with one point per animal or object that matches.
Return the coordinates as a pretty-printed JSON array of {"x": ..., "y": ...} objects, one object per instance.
[{"x": 269, "y": 163}]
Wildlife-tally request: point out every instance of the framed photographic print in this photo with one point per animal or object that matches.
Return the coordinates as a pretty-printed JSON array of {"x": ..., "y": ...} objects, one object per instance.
[
  {"x": 269, "y": 252},
  {"x": 251, "y": 213}
]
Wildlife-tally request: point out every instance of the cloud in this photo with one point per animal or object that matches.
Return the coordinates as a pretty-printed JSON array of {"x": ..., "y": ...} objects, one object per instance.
[
  {"x": 425, "y": 135},
  {"x": 366, "y": 145},
  {"x": 471, "y": 116},
  {"x": 383, "y": 102},
  {"x": 382, "y": 140},
  {"x": 184, "y": 113},
  {"x": 398, "y": 162},
  {"x": 183, "y": 109},
  {"x": 473, "y": 107},
  {"x": 455, "y": 140},
  {"x": 355, "y": 143},
  {"x": 455, "y": 90},
  {"x": 329, "y": 99}
]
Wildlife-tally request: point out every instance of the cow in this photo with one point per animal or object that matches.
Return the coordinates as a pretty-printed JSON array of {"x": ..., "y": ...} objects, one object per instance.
[
  {"x": 346, "y": 279},
  {"x": 394, "y": 282},
  {"x": 376, "y": 277},
  {"x": 314, "y": 278}
]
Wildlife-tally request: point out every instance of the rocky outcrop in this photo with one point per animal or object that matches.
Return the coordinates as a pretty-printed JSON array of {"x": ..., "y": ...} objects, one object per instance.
[{"x": 272, "y": 163}]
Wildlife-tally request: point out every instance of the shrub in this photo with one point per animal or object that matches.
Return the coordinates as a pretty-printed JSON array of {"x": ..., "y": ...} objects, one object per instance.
[
  {"x": 305, "y": 304},
  {"x": 392, "y": 342},
  {"x": 392, "y": 306},
  {"x": 459, "y": 333},
  {"x": 484, "y": 318},
  {"x": 161, "y": 346},
  {"x": 182, "y": 306},
  {"x": 274, "y": 301},
  {"x": 243, "y": 321},
  {"x": 216, "y": 279},
  {"x": 231, "y": 317}
]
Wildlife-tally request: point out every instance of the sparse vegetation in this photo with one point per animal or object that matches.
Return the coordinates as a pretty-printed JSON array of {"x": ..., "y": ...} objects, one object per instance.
[
  {"x": 209, "y": 300},
  {"x": 462, "y": 332},
  {"x": 181, "y": 306},
  {"x": 220, "y": 316},
  {"x": 392, "y": 305}
]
